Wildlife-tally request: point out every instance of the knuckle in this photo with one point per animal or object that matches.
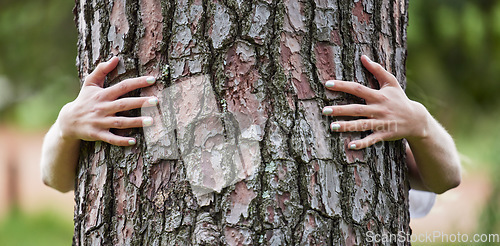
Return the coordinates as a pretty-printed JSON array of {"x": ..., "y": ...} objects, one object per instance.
[
  {"x": 379, "y": 68},
  {"x": 384, "y": 112},
  {"x": 358, "y": 88},
  {"x": 337, "y": 110},
  {"x": 93, "y": 135},
  {"x": 123, "y": 86},
  {"x": 383, "y": 98},
  {"x": 96, "y": 108},
  {"x": 365, "y": 125},
  {"x": 117, "y": 123},
  {"x": 110, "y": 140},
  {"x": 359, "y": 110},
  {"x": 99, "y": 96},
  {"x": 120, "y": 106}
]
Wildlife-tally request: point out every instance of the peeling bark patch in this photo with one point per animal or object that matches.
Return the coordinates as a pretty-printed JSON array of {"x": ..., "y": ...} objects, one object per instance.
[
  {"x": 237, "y": 236},
  {"x": 96, "y": 193},
  {"x": 325, "y": 61},
  {"x": 291, "y": 60},
  {"x": 359, "y": 12},
  {"x": 258, "y": 30},
  {"x": 96, "y": 42},
  {"x": 295, "y": 19},
  {"x": 213, "y": 158},
  {"x": 152, "y": 20},
  {"x": 249, "y": 111},
  {"x": 118, "y": 26},
  {"x": 221, "y": 26},
  {"x": 240, "y": 199}
]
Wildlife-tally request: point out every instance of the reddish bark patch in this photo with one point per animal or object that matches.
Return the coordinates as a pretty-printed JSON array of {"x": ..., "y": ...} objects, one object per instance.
[
  {"x": 152, "y": 19},
  {"x": 270, "y": 214},
  {"x": 135, "y": 176},
  {"x": 359, "y": 12},
  {"x": 353, "y": 155},
  {"x": 335, "y": 37},
  {"x": 240, "y": 199},
  {"x": 291, "y": 61},
  {"x": 119, "y": 26},
  {"x": 236, "y": 236},
  {"x": 160, "y": 176},
  {"x": 282, "y": 171},
  {"x": 325, "y": 61},
  {"x": 242, "y": 76},
  {"x": 282, "y": 199}
]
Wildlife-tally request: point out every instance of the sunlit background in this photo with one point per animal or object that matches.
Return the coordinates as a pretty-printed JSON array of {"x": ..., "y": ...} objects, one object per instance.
[{"x": 453, "y": 69}]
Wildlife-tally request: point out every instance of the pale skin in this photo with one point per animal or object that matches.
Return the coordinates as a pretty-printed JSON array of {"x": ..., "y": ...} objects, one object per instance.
[{"x": 432, "y": 158}]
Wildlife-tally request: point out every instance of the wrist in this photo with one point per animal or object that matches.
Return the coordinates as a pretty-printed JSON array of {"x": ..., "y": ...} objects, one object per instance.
[
  {"x": 421, "y": 129},
  {"x": 63, "y": 124}
]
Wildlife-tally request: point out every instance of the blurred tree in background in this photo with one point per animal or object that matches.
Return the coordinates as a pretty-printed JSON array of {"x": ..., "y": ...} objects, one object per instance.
[
  {"x": 37, "y": 60},
  {"x": 454, "y": 60}
]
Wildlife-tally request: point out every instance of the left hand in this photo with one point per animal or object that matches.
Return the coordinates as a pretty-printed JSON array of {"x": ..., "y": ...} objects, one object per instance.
[{"x": 388, "y": 112}]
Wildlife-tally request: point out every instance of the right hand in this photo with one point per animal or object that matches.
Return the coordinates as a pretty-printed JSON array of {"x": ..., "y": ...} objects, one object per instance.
[{"x": 91, "y": 115}]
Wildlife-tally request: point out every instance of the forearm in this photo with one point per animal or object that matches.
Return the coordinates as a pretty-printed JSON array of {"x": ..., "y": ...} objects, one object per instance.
[
  {"x": 435, "y": 157},
  {"x": 59, "y": 159}
]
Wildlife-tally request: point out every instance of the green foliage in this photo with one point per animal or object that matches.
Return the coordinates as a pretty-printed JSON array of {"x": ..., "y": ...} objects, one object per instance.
[
  {"x": 37, "y": 56},
  {"x": 454, "y": 55},
  {"x": 44, "y": 228},
  {"x": 454, "y": 69}
]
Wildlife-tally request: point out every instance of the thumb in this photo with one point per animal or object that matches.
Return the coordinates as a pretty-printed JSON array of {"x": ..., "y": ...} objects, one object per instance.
[
  {"x": 384, "y": 78},
  {"x": 99, "y": 74}
]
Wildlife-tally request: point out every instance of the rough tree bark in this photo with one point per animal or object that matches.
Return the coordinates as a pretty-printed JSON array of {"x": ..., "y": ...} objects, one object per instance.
[{"x": 240, "y": 153}]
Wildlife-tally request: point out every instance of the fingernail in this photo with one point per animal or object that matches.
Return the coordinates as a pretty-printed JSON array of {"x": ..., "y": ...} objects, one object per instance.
[
  {"x": 329, "y": 84},
  {"x": 131, "y": 142},
  {"x": 153, "y": 101},
  {"x": 352, "y": 146},
  {"x": 327, "y": 111},
  {"x": 335, "y": 126},
  {"x": 147, "y": 121},
  {"x": 151, "y": 80}
]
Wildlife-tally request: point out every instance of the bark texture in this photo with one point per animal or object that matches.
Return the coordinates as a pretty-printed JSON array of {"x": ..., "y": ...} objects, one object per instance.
[{"x": 250, "y": 73}]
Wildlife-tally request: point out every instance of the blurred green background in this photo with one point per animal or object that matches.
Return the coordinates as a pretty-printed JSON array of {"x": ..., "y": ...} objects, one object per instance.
[{"x": 453, "y": 68}]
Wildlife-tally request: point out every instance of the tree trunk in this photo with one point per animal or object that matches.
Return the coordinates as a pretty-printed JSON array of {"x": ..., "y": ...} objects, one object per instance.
[{"x": 240, "y": 153}]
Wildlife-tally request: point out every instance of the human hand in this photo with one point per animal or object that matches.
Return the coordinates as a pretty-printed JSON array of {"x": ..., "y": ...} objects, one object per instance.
[
  {"x": 91, "y": 115},
  {"x": 388, "y": 112}
]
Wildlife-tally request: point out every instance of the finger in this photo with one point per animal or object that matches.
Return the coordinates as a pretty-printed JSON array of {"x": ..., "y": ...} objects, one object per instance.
[
  {"x": 384, "y": 78},
  {"x": 128, "y": 85},
  {"x": 113, "y": 139},
  {"x": 369, "y": 140},
  {"x": 119, "y": 122},
  {"x": 350, "y": 110},
  {"x": 99, "y": 74},
  {"x": 124, "y": 104},
  {"x": 353, "y": 88},
  {"x": 356, "y": 125}
]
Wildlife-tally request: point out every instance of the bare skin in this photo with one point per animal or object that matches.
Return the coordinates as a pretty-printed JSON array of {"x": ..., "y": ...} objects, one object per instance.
[
  {"x": 432, "y": 157},
  {"x": 89, "y": 117},
  {"x": 431, "y": 154}
]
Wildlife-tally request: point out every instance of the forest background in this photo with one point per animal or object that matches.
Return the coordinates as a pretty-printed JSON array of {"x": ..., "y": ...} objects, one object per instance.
[{"x": 453, "y": 68}]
